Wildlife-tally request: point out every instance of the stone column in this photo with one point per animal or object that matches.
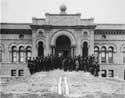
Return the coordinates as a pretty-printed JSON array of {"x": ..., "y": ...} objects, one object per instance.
[
  {"x": 74, "y": 51},
  {"x": 17, "y": 56},
  {"x": 25, "y": 56},
  {"x": 71, "y": 51},
  {"x": 106, "y": 57},
  {"x": 78, "y": 48},
  {"x": 99, "y": 57},
  {"x": 52, "y": 50}
]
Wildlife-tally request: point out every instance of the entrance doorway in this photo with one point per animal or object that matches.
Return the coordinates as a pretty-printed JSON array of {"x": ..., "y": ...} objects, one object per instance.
[
  {"x": 63, "y": 46},
  {"x": 40, "y": 49},
  {"x": 85, "y": 49}
]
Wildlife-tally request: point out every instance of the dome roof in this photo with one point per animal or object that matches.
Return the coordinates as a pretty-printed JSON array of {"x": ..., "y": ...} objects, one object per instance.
[{"x": 63, "y": 8}]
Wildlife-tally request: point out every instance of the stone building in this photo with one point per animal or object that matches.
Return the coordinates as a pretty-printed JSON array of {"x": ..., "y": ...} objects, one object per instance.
[{"x": 65, "y": 34}]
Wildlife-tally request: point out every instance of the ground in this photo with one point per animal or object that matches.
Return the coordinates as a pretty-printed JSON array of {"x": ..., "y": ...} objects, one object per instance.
[{"x": 45, "y": 85}]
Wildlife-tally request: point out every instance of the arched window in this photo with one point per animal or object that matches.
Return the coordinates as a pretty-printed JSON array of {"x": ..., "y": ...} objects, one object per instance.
[
  {"x": 124, "y": 55},
  {"x": 110, "y": 54},
  {"x": 96, "y": 52},
  {"x": 21, "y": 54},
  {"x": 40, "y": 49},
  {"x": 21, "y": 36},
  {"x": 28, "y": 52},
  {"x": 103, "y": 55},
  {"x": 0, "y": 54},
  {"x": 14, "y": 54},
  {"x": 85, "y": 49},
  {"x": 85, "y": 34},
  {"x": 40, "y": 33}
]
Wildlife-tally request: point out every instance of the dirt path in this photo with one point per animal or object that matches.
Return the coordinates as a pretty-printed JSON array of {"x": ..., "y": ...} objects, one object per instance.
[{"x": 80, "y": 84}]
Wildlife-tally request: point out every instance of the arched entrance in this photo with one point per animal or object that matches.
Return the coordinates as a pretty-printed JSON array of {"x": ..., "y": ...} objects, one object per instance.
[
  {"x": 85, "y": 49},
  {"x": 40, "y": 49},
  {"x": 69, "y": 41},
  {"x": 63, "y": 46}
]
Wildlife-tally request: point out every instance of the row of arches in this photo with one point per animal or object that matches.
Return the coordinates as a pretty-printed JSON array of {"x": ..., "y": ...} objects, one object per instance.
[
  {"x": 63, "y": 47},
  {"x": 106, "y": 54},
  {"x": 107, "y": 47},
  {"x": 20, "y": 55}
]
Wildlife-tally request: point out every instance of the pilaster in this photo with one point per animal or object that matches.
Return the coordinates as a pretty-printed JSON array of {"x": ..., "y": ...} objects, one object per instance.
[
  {"x": 34, "y": 48},
  {"x": 91, "y": 46}
]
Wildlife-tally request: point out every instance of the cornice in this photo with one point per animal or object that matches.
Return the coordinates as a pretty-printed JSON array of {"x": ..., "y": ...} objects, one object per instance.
[
  {"x": 107, "y": 40},
  {"x": 77, "y": 14},
  {"x": 16, "y": 31},
  {"x": 109, "y": 31},
  {"x": 63, "y": 27},
  {"x": 18, "y": 39}
]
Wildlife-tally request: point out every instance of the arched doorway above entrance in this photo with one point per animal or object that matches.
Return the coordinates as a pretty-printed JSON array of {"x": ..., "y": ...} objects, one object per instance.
[
  {"x": 60, "y": 33},
  {"x": 63, "y": 46},
  {"x": 66, "y": 36}
]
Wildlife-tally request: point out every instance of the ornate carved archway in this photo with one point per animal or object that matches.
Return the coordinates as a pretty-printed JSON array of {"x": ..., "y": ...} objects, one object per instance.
[
  {"x": 65, "y": 33},
  {"x": 60, "y": 33}
]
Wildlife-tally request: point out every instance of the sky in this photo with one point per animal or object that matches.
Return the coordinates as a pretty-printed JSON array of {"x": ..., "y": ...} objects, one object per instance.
[{"x": 22, "y": 11}]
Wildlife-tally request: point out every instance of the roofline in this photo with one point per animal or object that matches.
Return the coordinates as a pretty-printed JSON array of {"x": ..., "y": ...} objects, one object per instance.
[
  {"x": 16, "y": 23},
  {"x": 108, "y": 24},
  {"x": 76, "y": 14},
  {"x": 31, "y": 23}
]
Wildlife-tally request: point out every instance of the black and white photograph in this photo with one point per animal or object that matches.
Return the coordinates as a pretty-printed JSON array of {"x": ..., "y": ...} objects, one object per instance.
[{"x": 62, "y": 48}]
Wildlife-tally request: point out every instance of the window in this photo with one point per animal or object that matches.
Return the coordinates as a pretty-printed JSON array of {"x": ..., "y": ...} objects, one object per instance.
[
  {"x": 124, "y": 55},
  {"x": 28, "y": 52},
  {"x": 0, "y": 54},
  {"x": 103, "y": 55},
  {"x": 104, "y": 73},
  {"x": 111, "y": 73},
  {"x": 40, "y": 33},
  {"x": 13, "y": 72},
  {"x": 85, "y": 49},
  {"x": 21, "y": 72},
  {"x": 21, "y": 54},
  {"x": 14, "y": 54},
  {"x": 21, "y": 36},
  {"x": 85, "y": 34},
  {"x": 96, "y": 52},
  {"x": 110, "y": 55},
  {"x": 104, "y": 36},
  {"x": 40, "y": 49}
]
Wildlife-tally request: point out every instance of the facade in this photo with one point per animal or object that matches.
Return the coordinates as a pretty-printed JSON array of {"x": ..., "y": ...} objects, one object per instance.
[{"x": 65, "y": 34}]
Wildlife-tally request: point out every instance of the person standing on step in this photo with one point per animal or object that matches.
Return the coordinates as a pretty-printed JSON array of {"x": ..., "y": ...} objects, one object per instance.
[{"x": 97, "y": 69}]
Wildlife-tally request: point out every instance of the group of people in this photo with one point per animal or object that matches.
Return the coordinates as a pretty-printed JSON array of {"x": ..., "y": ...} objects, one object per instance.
[{"x": 86, "y": 64}]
